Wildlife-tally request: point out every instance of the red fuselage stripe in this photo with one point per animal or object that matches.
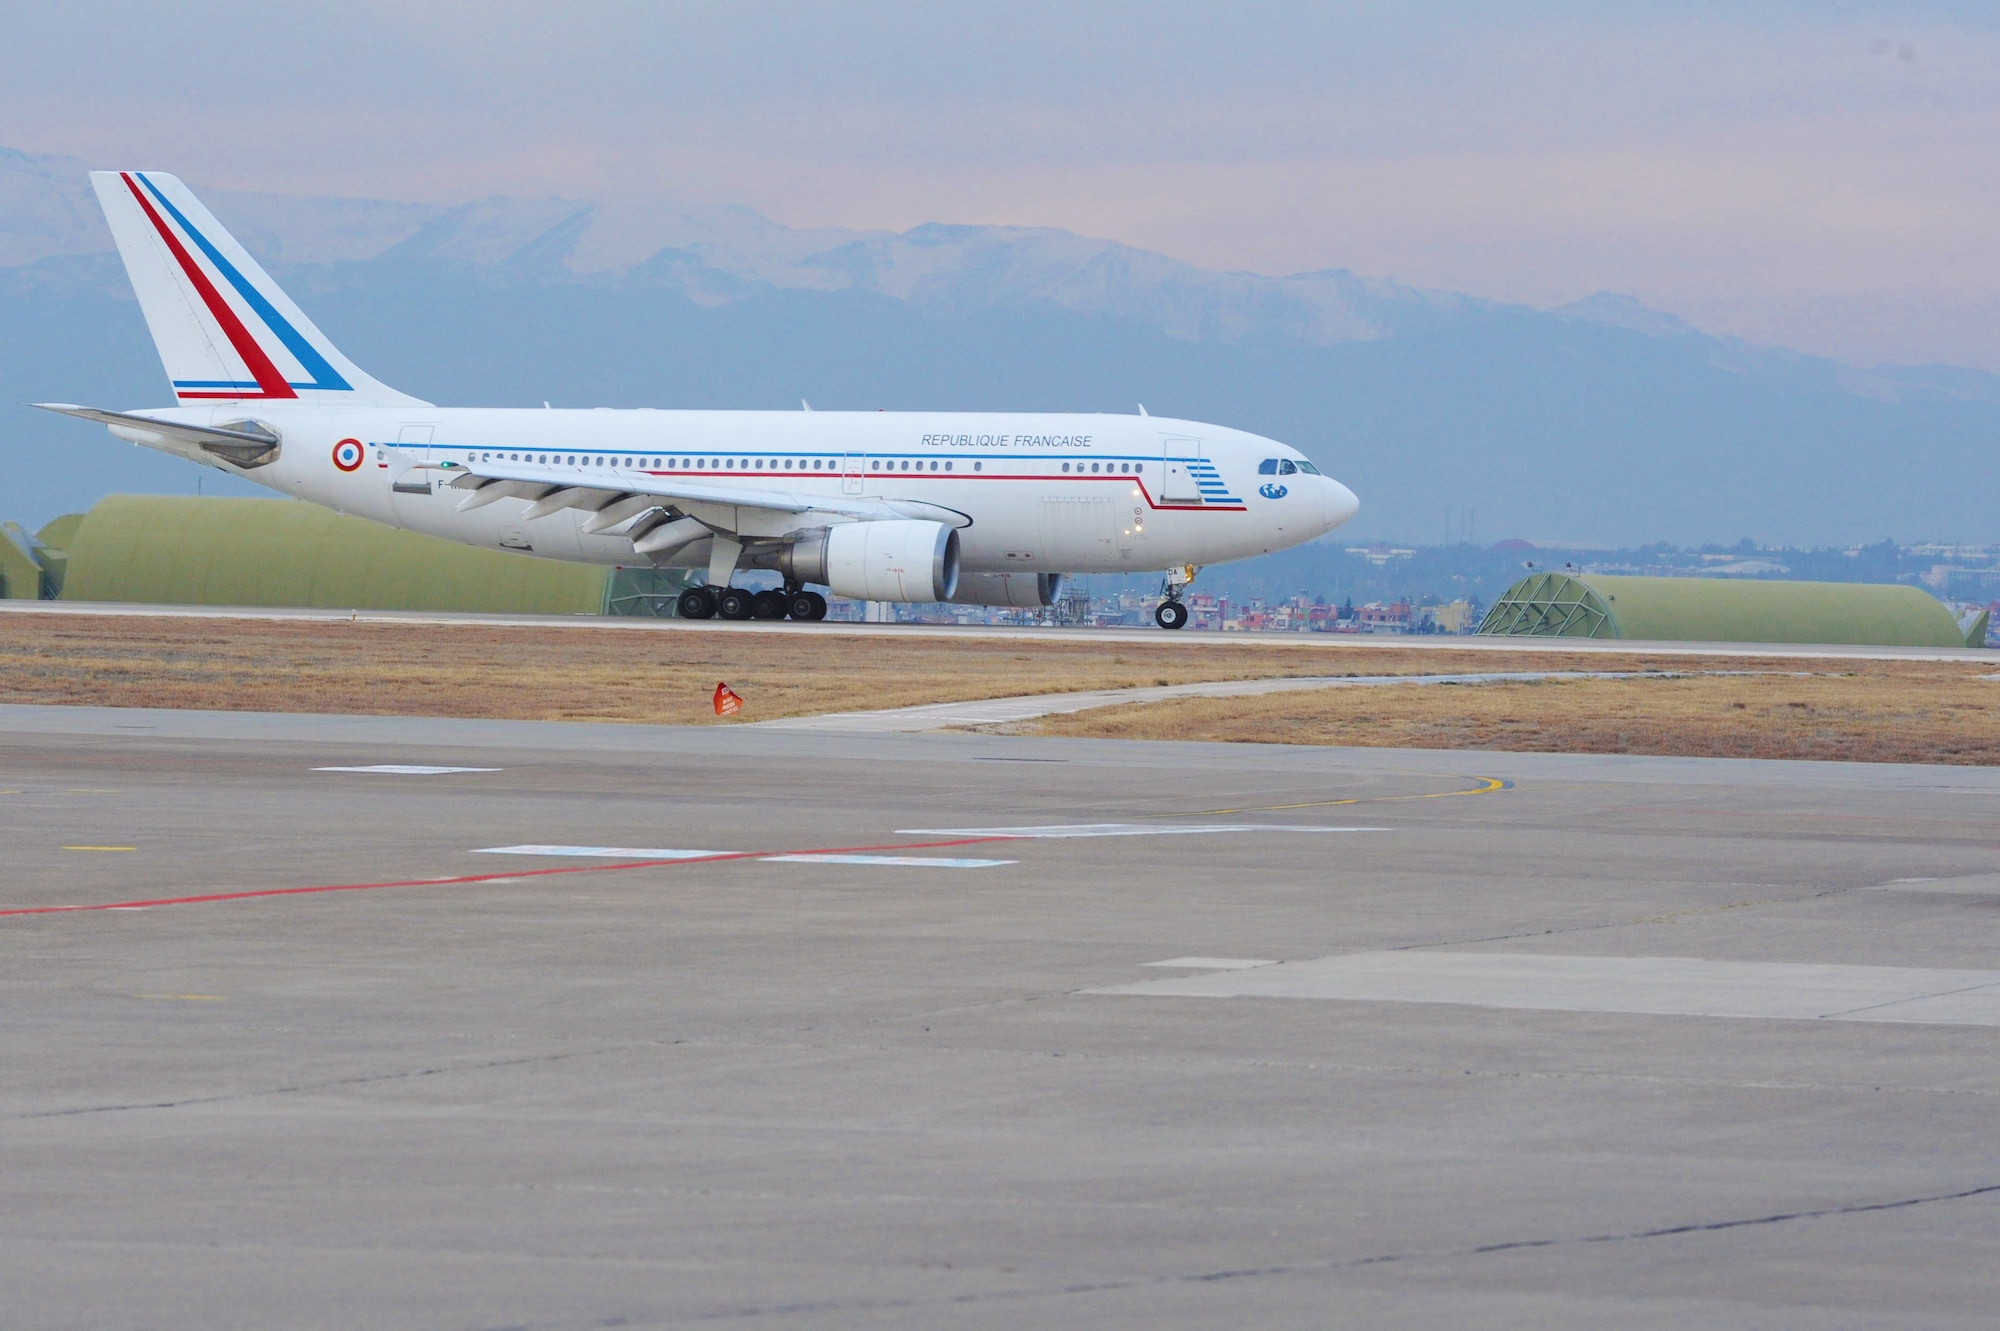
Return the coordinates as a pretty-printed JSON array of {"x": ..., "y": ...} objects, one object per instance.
[
  {"x": 1234, "y": 506},
  {"x": 261, "y": 369}
]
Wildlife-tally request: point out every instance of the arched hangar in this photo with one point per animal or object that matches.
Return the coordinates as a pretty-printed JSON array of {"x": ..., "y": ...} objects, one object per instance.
[
  {"x": 1586, "y": 605},
  {"x": 177, "y": 550}
]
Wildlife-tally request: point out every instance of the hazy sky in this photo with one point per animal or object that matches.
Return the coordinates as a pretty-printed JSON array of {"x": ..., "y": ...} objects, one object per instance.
[{"x": 1816, "y": 175}]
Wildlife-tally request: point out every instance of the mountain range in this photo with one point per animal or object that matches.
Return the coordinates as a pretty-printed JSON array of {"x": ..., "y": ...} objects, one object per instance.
[{"x": 1602, "y": 421}]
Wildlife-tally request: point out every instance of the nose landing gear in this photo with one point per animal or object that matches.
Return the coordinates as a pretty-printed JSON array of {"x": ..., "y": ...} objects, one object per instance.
[{"x": 1170, "y": 613}]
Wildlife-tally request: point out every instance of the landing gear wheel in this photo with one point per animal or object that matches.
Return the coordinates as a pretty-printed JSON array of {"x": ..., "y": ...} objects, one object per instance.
[
  {"x": 769, "y": 604},
  {"x": 697, "y": 603},
  {"x": 808, "y": 605},
  {"x": 1170, "y": 615},
  {"x": 734, "y": 603}
]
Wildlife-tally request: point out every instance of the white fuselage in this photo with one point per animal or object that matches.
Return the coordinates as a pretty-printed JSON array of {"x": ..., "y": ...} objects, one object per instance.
[{"x": 1051, "y": 493}]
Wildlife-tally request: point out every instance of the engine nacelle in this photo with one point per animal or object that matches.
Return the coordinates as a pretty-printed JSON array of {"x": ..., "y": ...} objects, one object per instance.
[
  {"x": 1024, "y": 591},
  {"x": 893, "y": 560}
]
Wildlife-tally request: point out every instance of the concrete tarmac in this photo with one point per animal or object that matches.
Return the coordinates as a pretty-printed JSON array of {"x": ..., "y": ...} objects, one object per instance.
[
  {"x": 633, "y": 1026},
  {"x": 1121, "y": 637}
]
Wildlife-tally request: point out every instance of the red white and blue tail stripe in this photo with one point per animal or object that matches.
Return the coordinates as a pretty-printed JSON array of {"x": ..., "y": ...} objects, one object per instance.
[{"x": 225, "y": 331}]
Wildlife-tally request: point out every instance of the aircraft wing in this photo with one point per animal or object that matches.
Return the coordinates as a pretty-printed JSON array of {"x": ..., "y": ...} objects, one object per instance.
[
  {"x": 599, "y": 487},
  {"x": 641, "y": 502}
]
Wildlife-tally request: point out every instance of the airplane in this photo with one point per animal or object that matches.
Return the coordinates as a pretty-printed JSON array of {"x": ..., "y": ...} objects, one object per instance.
[{"x": 981, "y": 508}]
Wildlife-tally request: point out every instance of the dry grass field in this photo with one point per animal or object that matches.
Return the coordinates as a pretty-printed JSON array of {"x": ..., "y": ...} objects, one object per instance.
[
  {"x": 1857, "y": 711},
  {"x": 593, "y": 673},
  {"x": 1883, "y": 711}
]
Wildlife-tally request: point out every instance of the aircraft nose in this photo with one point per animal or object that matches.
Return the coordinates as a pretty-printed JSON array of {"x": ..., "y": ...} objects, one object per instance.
[{"x": 1337, "y": 503}]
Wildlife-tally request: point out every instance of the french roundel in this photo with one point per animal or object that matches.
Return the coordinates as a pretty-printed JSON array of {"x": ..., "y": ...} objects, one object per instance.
[{"x": 348, "y": 454}]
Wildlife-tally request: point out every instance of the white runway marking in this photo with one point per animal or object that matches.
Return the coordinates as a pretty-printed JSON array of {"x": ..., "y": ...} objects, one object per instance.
[
  {"x": 1211, "y": 963},
  {"x": 604, "y": 852},
  {"x": 663, "y": 853},
  {"x": 406, "y": 769},
  {"x": 917, "y": 861},
  {"x": 1055, "y": 830},
  {"x": 1971, "y": 885},
  {"x": 1661, "y": 986}
]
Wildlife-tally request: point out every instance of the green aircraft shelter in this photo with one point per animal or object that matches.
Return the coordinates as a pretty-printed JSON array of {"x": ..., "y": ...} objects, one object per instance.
[
  {"x": 1585, "y": 605},
  {"x": 175, "y": 550}
]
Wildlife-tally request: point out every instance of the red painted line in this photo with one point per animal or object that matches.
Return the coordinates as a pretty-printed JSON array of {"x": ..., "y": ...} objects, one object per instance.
[
  {"x": 261, "y": 369},
  {"x": 462, "y": 879}
]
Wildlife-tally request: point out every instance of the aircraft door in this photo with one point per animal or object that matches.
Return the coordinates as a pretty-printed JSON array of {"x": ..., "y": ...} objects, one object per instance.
[
  {"x": 1178, "y": 485},
  {"x": 850, "y": 474},
  {"x": 1078, "y": 531},
  {"x": 413, "y": 445}
]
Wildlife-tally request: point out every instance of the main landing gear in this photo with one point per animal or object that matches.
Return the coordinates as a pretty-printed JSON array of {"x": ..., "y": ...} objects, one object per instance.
[{"x": 737, "y": 603}]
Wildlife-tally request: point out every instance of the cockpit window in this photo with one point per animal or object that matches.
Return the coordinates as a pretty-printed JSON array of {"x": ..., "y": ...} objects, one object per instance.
[
  {"x": 1285, "y": 467},
  {"x": 1268, "y": 467},
  {"x": 1308, "y": 468}
]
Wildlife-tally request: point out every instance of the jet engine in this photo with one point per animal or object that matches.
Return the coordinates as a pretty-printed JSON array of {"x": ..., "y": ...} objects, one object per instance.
[
  {"x": 891, "y": 560},
  {"x": 1025, "y": 591}
]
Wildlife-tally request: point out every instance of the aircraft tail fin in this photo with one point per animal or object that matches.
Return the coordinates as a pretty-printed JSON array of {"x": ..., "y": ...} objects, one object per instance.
[
  {"x": 1975, "y": 628},
  {"x": 225, "y": 331}
]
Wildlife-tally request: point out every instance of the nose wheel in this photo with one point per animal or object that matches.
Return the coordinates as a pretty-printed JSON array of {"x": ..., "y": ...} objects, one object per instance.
[{"x": 1170, "y": 614}]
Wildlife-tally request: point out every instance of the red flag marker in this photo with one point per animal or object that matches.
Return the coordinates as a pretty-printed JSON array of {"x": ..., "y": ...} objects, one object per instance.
[{"x": 727, "y": 702}]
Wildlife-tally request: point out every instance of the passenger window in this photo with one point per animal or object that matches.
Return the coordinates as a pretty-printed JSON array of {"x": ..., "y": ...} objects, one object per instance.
[
  {"x": 1285, "y": 467},
  {"x": 947, "y": 466},
  {"x": 1065, "y": 466},
  {"x": 1268, "y": 467},
  {"x": 933, "y": 466},
  {"x": 979, "y": 466}
]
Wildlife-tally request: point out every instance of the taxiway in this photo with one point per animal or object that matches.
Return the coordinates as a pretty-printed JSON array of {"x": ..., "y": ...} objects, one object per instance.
[{"x": 336, "y": 1021}]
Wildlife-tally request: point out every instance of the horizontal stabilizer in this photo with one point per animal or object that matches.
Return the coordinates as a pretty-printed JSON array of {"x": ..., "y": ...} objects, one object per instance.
[{"x": 245, "y": 444}]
